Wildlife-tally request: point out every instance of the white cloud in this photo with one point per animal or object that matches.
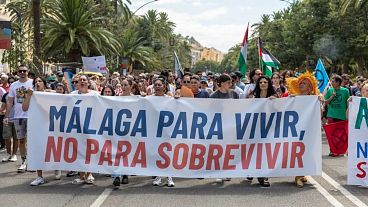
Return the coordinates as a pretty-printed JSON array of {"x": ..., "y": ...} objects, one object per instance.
[{"x": 215, "y": 23}]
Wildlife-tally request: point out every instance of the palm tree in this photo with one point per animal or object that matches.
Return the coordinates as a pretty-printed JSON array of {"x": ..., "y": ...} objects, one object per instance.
[
  {"x": 36, "y": 8},
  {"x": 134, "y": 50},
  {"x": 358, "y": 4},
  {"x": 73, "y": 30},
  {"x": 155, "y": 26}
]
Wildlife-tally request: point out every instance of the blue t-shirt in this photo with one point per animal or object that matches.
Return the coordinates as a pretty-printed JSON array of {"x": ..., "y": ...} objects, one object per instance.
[{"x": 202, "y": 94}]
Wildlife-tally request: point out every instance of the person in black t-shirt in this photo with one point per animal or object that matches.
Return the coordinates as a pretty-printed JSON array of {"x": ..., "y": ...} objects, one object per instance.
[{"x": 224, "y": 91}]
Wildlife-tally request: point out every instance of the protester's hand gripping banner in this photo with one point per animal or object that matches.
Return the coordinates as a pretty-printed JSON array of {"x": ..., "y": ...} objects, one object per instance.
[
  {"x": 358, "y": 142},
  {"x": 161, "y": 136}
]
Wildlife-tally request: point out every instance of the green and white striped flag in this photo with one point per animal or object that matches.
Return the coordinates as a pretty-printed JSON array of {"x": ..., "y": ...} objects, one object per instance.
[
  {"x": 267, "y": 60},
  {"x": 242, "y": 61}
]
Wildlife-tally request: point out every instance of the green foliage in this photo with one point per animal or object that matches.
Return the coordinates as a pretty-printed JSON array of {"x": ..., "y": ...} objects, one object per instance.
[
  {"x": 207, "y": 65},
  {"x": 73, "y": 29},
  {"x": 310, "y": 29}
]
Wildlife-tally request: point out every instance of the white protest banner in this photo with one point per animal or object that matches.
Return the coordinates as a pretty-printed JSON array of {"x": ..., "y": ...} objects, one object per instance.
[
  {"x": 358, "y": 142},
  {"x": 163, "y": 136},
  {"x": 95, "y": 64}
]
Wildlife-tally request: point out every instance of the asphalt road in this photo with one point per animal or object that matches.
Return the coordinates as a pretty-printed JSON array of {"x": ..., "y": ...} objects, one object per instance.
[{"x": 330, "y": 189}]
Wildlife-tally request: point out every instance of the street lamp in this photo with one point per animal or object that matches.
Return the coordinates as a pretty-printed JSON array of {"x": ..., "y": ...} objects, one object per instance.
[
  {"x": 129, "y": 21},
  {"x": 143, "y": 6}
]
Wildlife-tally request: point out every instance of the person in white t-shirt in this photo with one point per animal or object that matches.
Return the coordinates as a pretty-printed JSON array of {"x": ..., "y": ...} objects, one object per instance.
[
  {"x": 16, "y": 97},
  {"x": 83, "y": 84},
  {"x": 253, "y": 77}
]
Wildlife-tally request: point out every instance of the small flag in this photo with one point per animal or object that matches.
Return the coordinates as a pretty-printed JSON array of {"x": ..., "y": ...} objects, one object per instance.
[
  {"x": 321, "y": 76},
  {"x": 178, "y": 70},
  {"x": 242, "y": 61},
  {"x": 337, "y": 137},
  {"x": 267, "y": 60}
]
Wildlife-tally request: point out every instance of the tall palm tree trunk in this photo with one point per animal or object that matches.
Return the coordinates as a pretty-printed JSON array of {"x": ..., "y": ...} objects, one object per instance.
[{"x": 36, "y": 5}]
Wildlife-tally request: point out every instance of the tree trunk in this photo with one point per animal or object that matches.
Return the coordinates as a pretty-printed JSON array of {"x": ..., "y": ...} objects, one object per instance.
[
  {"x": 361, "y": 65},
  {"x": 36, "y": 8},
  {"x": 74, "y": 55}
]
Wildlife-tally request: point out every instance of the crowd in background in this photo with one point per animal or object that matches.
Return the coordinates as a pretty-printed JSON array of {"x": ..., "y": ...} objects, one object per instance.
[{"x": 16, "y": 91}]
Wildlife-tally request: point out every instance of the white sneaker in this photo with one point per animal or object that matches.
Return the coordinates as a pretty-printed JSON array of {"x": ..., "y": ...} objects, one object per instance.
[
  {"x": 13, "y": 158},
  {"x": 156, "y": 181},
  {"x": 7, "y": 158},
  {"x": 90, "y": 179},
  {"x": 23, "y": 166},
  {"x": 57, "y": 174},
  {"x": 78, "y": 181},
  {"x": 219, "y": 180},
  {"x": 38, "y": 181},
  {"x": 170, "y": 182}
]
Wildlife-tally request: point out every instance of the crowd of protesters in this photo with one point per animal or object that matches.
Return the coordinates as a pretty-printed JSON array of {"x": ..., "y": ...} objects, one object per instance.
[{"x": 16, "y": 92}]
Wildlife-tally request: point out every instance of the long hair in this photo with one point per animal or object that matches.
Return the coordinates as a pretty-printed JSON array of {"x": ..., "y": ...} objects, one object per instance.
[
  {"x": 108, "y": 86},
  {"x": 270, "y": 90},
  {"x": 42, "y": 79}
]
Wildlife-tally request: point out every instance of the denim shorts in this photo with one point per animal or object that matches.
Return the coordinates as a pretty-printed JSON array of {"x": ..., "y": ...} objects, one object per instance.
[{"x": 21, "y": 128}]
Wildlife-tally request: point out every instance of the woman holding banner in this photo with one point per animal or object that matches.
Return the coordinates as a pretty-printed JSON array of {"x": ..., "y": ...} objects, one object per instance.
[
  {"x": 125, "y": 91},
  {"x": 39, "y": 84},
  {"x": 160, "y": 87},
  {"x": 263, "y": 89},
  {"x": 305, "y": 84},
  {"x": 83, "y": 89}
]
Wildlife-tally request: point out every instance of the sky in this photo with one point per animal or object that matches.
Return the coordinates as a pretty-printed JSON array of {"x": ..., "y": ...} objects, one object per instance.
[{"x": 214, "y": 23}]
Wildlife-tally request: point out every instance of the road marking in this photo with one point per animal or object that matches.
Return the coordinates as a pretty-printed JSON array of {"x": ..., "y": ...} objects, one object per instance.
[
  {"x": 345, "y": 192},
  {"x": 324, "y": 192},
  {"x": 98, "y": 202}
]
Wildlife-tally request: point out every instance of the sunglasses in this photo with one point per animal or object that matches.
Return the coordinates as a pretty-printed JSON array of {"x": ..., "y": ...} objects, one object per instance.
[
  {"x": 22, "y": 71},
  {"x": 74, "y": 82},
  {"x": 186, "y": 81}
]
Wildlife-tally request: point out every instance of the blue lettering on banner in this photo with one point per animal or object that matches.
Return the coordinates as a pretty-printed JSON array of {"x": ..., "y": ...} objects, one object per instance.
[
  {"x": 58, "y": 121},
  {"x": 199, "y": 121},
  {"x": 362, "y": 150},
  {"x": 140, "y": 124},
  {"x": 181, "y": 126},
  {"x": 126, "y": 124},
  {"x": 54, "y": 115},
  {"x": 267, "y": 122}
]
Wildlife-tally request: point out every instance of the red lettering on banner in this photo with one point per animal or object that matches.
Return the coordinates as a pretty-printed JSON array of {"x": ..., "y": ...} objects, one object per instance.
[
  {"x": 106, "y": 153},
  {"x": 197, "y": 156},
  {"x": 214, "y": 157},
  {"x": 122, "y": 154},
  {"x": 363, "y": 172},
  {"x": 140, "y": 156},
  {"x": 229, "y": 156},
  {"x": 166, "y": 162},
  {"x": 285, "y": 154},
  {"x": 184, "y": 159},
  {"x": 246, "y": 156},
  {"x": 52, "y": 148},
  {"x": 91, "y": 150},
  {"x": 300, "y": 147},
  {"x": 272, "y": 157},
  {"x": 259, "y": 156},
  {"x": 74, "y": 143}
]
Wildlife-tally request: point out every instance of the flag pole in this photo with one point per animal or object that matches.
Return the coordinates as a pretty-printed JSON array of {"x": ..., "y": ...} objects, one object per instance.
[{"x": 259, "y": 54}]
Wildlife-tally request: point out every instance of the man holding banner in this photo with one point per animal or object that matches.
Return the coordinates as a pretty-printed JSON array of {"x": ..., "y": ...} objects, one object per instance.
[{"x": 336, "y": 101}]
